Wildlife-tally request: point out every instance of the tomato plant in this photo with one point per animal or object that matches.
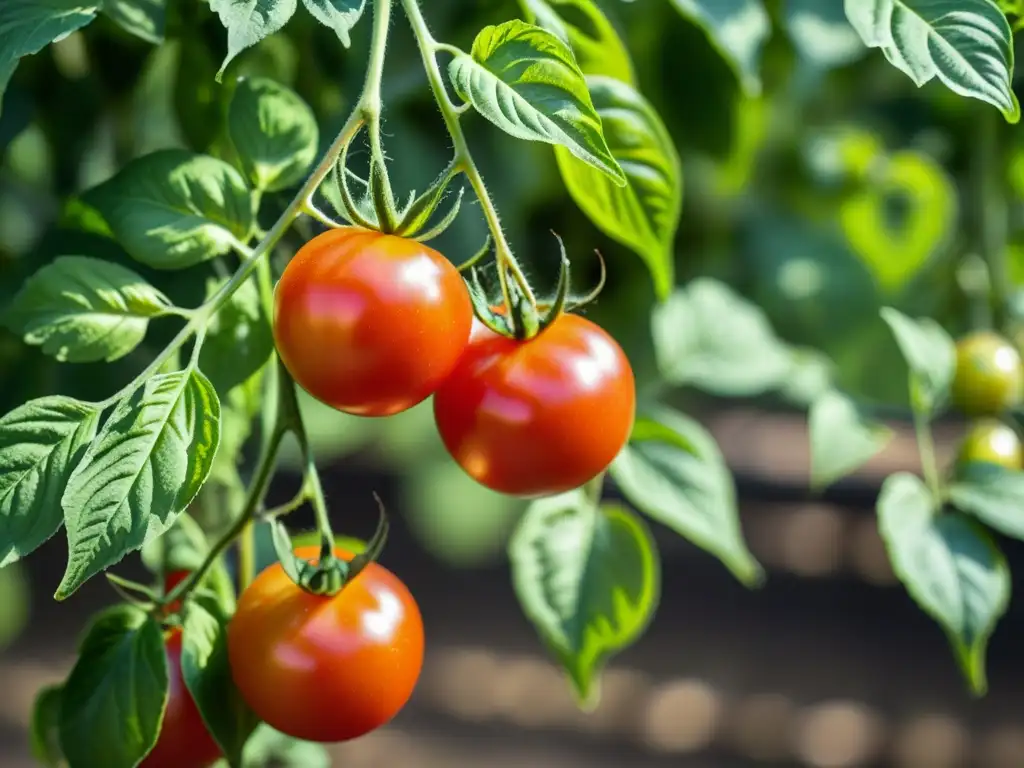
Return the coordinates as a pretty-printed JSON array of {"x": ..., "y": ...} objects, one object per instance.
[
  {"x": 370, "y": 323},
  {"x": 326, "y": 668},
  {"x": 541, "y": 416},
  {"x": 203, "y": 221}
]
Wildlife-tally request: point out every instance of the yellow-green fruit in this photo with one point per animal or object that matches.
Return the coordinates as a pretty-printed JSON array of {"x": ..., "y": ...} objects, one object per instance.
[
  {"x": 989, "y": 375},
  {"x": 992, "y": 442}
]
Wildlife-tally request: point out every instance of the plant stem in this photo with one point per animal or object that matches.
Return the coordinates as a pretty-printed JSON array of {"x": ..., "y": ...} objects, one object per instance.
[
  {"x": 258, "y": 488},
  {"x": 991, "y": 213},
  {"x": 288, "y": 418},
  {"x": 926, "y": 449},
  {"x": 429, "y": 48}
]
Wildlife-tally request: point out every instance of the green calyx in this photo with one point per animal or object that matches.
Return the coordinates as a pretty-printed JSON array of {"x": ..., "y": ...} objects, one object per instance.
[
  {"x": 329, "y": 574},
  {"x": 521, "y": 317},
  {"x": 374, "y": 207}
]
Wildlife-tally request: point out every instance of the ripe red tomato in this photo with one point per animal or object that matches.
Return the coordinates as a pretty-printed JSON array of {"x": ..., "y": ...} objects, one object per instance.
[
  {"x": 324, "y": 668},
  {"x": 992, "y": 442},
  {"x": 370, "y": 323},
  {"x": 184, "y": 741},
  {"x": 989, "y": 375},
  {"x": 540, "y": 416}
]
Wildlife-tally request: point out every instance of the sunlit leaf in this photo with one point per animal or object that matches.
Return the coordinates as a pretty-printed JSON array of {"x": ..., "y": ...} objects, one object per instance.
[
  {"x": 250, "y": 21},
  {"x": 113, "y": 701},
  {"x": 930, "y": 354},
  {"x": 525, "y": 80},
  {"x": 707, "y": 336},
  {"x": 644, "y": 214},
  {"x": 583, "y": 27},
  {"x": 339, "y": 15},
  {"x": 41, "y": 443},
  {"x": 172, "y": 209},
  {"x": 28, "y": 26},
  {"x": 673, "y": 471},
  {"x": 145, "y": 466},
  {"x": 274, "y": 132},
  {"x": 966, "y": 44},
  {"x": 949, "y": 565},
  {"x": 842, "y": 438},
  {"x": 83, "y": 310},
  {"x": 588, "y": 578}
]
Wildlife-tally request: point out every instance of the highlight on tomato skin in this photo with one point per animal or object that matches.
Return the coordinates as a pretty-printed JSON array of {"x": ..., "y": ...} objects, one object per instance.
[
  {"x": 184, "y": 741},
  {"x": 989, "y": 376},
  {"x": 541, "y": 416},
  {"x": 369, "y": 323},
  {"x": 990, "y": 441},
  {"x": 326, "y": 668}
]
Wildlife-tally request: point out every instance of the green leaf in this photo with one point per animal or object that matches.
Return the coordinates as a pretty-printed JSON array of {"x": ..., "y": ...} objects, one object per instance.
[
  {"x": 842, "y": 438},
  {"x": 44, "y": 730},
  {"x": 644, "y": 214},
  {"x": 582, "y": 26},
  {"x": 28, "y": 26},
  {"x": 82, "y": 310},
  {"x": 172, "y": 209},
  {"x": 992, "y": 494},
  {"x": 895, "y": 248},
  {"x": 949, "y": 565},
  {"x": 739, "y": 30},
  {"x": 145, "y": 466},
  {"x": 270, "y": 747},
  {"x": 41, "y": 443},
  {"x": 672, "y": 470},
  {"x": 207, "y": 674},
  {"x": 707, "y": 336},
  {"x": 587, "y": 578},
  {"x": 250, "y": 21},
  {"x": 239, "y": 340},
  {"x": 143, "y": 18},
  {"x": 182, "y": 547},
  {"x": 525, "y": 80},
  {"x": 274, "y": 132},
  {"x": 339, "y": 15},
  {"x": 930, "y": 354},
  {"x": 821, "y": 33},
  {"x": 967, "y": 44},
  {"x": 113, "y": 701}
]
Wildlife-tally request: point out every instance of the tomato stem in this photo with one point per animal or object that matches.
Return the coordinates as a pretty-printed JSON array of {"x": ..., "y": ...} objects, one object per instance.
[
  {"x": 991, "y": 213},
  {"x": 926, "y": 450},
  {"x": 507, "y": 264},
  {"x": 257, "y": 490}
]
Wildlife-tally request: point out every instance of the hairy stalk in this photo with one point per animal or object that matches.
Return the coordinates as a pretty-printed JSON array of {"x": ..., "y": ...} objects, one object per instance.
[
  {"x": 368, "y": 106},
  {"x": 287, "y": 418},
  {"x": 429, "y": 48},
  {"x": 257, "y": 490}
]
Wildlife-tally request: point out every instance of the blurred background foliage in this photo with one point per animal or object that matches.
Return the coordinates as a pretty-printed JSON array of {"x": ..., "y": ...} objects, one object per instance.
[{"x": 819, "y": 185}]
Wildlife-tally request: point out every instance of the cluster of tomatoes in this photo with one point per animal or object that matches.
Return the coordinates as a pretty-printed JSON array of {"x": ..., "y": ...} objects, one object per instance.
[
  {"x": 989, "y": 382},
  {"x": 373, "y": 324}
]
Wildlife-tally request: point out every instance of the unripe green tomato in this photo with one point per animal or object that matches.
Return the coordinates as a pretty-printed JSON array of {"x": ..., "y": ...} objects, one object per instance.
[
  {"x": 992, "y": 442},
  {"x": 989, "y": 375}
]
